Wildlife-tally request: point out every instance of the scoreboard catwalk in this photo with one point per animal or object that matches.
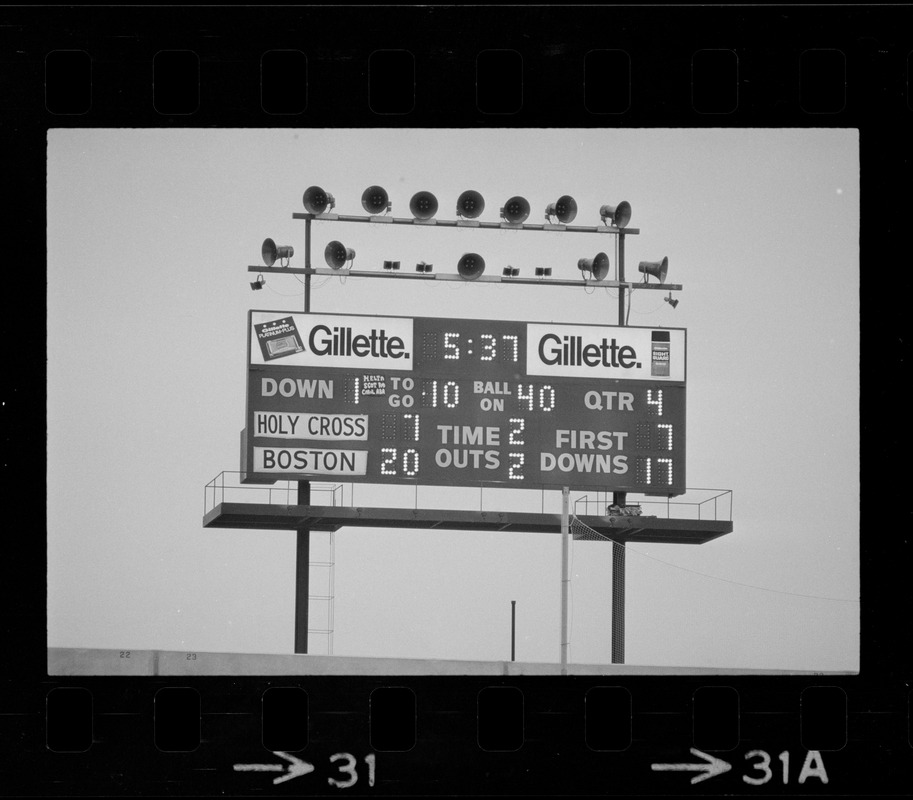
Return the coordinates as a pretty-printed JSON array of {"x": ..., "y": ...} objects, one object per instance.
[{"x": 464, "y": 402}]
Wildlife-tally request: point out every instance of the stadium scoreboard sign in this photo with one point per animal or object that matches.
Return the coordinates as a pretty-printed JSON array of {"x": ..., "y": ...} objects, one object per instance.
[{"x": 464, "y": 402}]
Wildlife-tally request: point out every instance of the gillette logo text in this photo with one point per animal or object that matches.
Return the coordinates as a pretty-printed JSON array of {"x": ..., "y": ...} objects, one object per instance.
[
  {"x": 605, "y": 352},
  {"x": 339, "y": 340},
  {"x": 343, "y": 341},
  {"x": 555, "y": 350}
]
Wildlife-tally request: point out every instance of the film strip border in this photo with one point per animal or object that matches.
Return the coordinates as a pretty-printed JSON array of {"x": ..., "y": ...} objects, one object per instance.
[
  {"x": 447, "y": 65},
  {"x": 398, "y": 735},
  {"x": 436, "y": 66}
]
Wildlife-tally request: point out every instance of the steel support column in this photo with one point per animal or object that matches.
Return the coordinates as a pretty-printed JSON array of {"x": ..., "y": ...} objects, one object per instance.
[
  {"x": 619, "y": 499},
  {"x": 565, "y": 577},
  {"x": 618, "y": 603},
  {"x": 513, "y": 630},
  {"x": 302, "y": 574},
  {"x": 303, "y": 534}
]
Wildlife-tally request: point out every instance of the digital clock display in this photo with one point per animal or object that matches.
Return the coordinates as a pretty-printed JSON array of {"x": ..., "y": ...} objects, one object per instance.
[{"x": 465, "y": 402}]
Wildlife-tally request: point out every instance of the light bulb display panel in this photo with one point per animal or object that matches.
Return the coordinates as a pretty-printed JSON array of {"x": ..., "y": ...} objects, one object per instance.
[{"x": 463, "y": 402}]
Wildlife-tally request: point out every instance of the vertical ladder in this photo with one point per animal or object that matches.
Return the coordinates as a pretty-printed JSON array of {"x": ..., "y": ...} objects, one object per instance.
[{"x": 327, "y": 548}]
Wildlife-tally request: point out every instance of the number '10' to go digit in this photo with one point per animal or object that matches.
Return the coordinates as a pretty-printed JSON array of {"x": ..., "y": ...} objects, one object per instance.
[{"x": 449, "y": 394}]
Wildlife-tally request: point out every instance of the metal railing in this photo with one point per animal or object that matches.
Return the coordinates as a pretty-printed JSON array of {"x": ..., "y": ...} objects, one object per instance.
[
  {"x": 226, "y": 487},
  {"x": 706, "y": 504},
  {"x": 701, "y": 504}
]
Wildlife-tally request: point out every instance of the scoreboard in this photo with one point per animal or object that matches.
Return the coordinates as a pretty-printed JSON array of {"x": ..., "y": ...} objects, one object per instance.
[{"x": 463, "y": 402}]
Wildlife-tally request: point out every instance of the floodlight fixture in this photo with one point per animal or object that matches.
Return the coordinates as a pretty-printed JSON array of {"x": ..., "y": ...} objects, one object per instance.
[
  {"x": 337, "y": 254},
  {"x": 657, "y": 269},
  {"x": 375, "y": 200},
  {"x": 470, "y": 204},
  {"x": 423, "y": 267},
  {"x": 620, "y": 215},
  {"x": 316, "y": 200},
  {"x": 597, "y": 267},
  {"x": 515, "y": 210},
  {"x": 565, "y": 209},
  {"x": 391, "y": 265},
  {"x": 258, "y": 284},
  {"x": 510, "y": 272},
  {"x": 423, "y": 205},
  {"x": 543, "y": 272},
  {"x": 272, "y": 253},
  {"x": 470, "y": 266},
  {"x": 670, "y": 301}
]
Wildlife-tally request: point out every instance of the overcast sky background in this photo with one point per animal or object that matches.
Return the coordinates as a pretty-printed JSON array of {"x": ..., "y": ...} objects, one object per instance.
[{"x": 150, "y": 233}]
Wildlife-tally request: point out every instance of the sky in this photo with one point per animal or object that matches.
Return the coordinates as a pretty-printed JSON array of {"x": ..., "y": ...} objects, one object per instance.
[{"x": 150, "y": 234}]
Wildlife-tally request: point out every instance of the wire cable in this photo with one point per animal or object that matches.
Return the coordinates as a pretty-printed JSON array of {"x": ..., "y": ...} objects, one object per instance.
[
  {"x": 714, "y": 577},
  {"x": 746, "y": 585},
  {"x": 282, "y": 294}
]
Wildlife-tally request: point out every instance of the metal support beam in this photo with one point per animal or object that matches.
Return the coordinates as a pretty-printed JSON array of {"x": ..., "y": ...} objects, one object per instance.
[
  {"x": 565, "y": 578},
  {"x": 399, "y": 275},
  {"x": 621, "y": 278},
  {"x": 619, "y": 499},
  {"x": 303, "y": 539},
  {"x": 618, "y": 603},
  {"x": 307, "y": 266},
  {"x": 513, "y": 630},
  {"x": 263, "y": 516},
  {"x": 302, "y": 574},
  {"x": 462, "y": 223}
]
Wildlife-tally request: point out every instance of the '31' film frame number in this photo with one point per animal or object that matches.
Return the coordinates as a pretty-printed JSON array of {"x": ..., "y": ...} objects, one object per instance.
[{"x": 348, "y": 768}]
